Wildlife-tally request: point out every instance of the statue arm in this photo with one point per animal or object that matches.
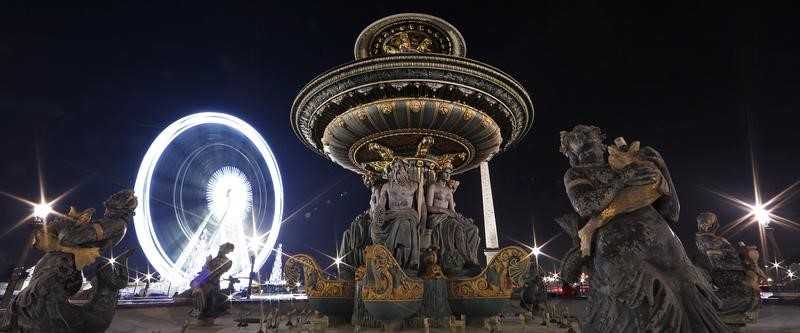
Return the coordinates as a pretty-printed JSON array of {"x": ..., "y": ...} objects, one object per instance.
[
  {"x": 429, "y": 193},
  {"x": 380, "y": 206},
  {"x": 588, "y": 198},
  {"x": 93, "y": 231},
  {"x": 668, "y": 205}
]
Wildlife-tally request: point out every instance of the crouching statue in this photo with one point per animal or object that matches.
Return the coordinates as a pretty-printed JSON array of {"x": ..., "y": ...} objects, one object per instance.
[
  {"x": 209, "y": 301},
  {"x": 733, "y": 269}
]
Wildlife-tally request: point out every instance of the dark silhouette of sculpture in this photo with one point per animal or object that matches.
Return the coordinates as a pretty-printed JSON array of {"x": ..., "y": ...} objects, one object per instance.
[
  {"x": 733, "y": 269},
  {"x": 456, "y": 236},
  {"x": 533, "y": 291},
  {"x": 70, "y": 243},
  {"x": 231, "y": 282},
  {"x": 209, "y": 302},
  {"x": 357, "y": 237},
  {"x": 643, "y": 280},
  {"x": 573, "y": 262},
  {"x": 396, "y": 222}
]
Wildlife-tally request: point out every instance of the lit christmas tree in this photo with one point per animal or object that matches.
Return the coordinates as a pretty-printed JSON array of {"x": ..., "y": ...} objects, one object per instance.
[{"x": 276, "y": 277}]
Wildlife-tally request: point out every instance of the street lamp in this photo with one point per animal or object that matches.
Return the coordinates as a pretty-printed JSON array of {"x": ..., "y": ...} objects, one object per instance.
[
  {"x": 40, "y": 211},
  {"x": 761, "y": 214}
]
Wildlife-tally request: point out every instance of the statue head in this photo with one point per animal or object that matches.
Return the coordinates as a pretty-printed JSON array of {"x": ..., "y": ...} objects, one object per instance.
[
  {"x": 583, "y": 145},
  {"x": 398, "y": 172},
  {"x": 445, "y": 171},
  {"x": 707, "y": 222},
  {"x": 121, "y": 204},
  {"x": 226, "y": 248}
]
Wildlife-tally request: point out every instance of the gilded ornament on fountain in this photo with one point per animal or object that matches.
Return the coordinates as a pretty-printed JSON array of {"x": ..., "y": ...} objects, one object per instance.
[
  {"x": 411, "y": 81},
  {"x": 317, "y": 286},
  {"x": 509, "y": 266}
]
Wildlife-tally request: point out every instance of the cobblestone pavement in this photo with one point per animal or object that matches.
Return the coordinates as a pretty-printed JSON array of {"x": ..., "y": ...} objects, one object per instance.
[{"x": 169, "y": 319}]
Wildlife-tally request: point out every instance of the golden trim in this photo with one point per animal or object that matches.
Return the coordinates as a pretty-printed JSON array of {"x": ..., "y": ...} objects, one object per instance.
[
  {"x": 362, "y": 113},
  {"x": 386, "y": 153},
  {"x": 83, "y": 256},
  {"x": 386, "y": 108},
  {"x": 511, "y": 265},
  {"x": 486, "y": 122},
  {"x": 414, "y": 106},
  {"x": 98, "y": 231},
  {"x": 423, "y": 147},
  {"x": 423, "y": 100},
  {"x": 469, "y": 149},
  {"x": 468, "y": 114},
  {"x": 444, "y": 108},
  {"x": 385, "y": 279},
  {"x": 376, "y": 64},
  {"x": 317, "y": 286}
]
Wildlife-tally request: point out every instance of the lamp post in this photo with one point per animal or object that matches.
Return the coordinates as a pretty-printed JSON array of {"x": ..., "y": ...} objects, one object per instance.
[
  {"x": 40, "y": 213},
  {"x": 252, "y": 255}
]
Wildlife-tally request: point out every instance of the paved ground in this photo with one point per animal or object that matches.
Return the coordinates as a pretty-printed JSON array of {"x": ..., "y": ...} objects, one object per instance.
[{"x": 773, "y": 318}]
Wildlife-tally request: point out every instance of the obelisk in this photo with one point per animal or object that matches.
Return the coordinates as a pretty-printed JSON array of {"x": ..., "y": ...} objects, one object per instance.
[{"x": 489, "y": 224}]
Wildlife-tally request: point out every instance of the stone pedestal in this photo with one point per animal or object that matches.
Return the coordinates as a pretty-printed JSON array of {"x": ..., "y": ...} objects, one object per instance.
[
  {"x": 361, "y": 317},
  {"x": 435, "y": 306}
]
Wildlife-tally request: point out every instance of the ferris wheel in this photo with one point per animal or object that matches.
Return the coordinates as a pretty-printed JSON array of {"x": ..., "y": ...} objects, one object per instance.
[{"x": 207, "y": 179}]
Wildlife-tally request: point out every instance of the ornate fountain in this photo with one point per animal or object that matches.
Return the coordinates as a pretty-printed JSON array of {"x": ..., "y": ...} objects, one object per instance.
[{"x": 408, "y": 113}]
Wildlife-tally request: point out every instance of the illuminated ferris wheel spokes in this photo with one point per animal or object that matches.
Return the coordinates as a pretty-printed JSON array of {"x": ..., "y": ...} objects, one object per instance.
[{"x": 229, "y": 196}]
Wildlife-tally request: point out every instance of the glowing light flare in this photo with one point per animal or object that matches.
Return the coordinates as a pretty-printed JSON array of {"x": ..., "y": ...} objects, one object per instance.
[
  {"x": 536, "y": 251},
  {"x": 337, "y": 259},
  {"x": 761, "y": 214},
  {"x": 40, "y": 211}
]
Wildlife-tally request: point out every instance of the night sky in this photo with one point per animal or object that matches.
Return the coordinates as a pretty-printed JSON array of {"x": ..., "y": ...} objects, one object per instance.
[{"x": 89, "y": 87}]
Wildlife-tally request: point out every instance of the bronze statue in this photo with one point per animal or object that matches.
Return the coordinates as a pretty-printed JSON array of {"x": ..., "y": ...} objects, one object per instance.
[
  {"x": 209, "y": 302},
  {"x": 733, "y": 270},
  {"x": 455, "y": 234},
  {"x": 643, "y": 280},
  {"x": 70, "y": 243},
  {"x": 396, "y": 223}
]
